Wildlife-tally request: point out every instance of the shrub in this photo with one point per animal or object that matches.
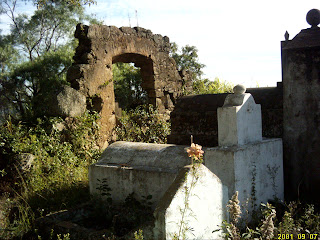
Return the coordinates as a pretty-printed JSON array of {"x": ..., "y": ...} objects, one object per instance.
[
  {"x": 143, "y": 124},
  {"x": 62, "y": 150},
  {"x": 205, "y": 86}
]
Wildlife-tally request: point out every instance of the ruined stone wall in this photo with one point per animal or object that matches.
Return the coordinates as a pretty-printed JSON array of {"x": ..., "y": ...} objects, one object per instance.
[
  {"x": 197, "y": 115},
  {"x": 101, "y": 46}
]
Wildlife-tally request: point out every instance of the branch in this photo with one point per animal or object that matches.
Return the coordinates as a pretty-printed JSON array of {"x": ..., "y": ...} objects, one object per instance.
[
  {"x": 13, "y": 19},
  {"x": 51, "y": 37}
]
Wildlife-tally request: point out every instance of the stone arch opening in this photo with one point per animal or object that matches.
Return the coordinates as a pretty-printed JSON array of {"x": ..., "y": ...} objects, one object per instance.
[
  {"x": 91, "y": 73},
  {"x": 145, "y": 64}
]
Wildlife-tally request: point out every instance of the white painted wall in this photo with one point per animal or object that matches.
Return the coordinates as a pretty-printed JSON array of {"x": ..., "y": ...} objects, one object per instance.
[
  {"x": 239, "y": 124},
  {"x": 196, "y": 199},
  {"x": 237, "y": 165}
]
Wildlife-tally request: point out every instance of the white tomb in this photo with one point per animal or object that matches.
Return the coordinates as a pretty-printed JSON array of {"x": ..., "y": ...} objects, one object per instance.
[
  {"x": 163, "y": 171},
  {"x": 244, "y": 161}
]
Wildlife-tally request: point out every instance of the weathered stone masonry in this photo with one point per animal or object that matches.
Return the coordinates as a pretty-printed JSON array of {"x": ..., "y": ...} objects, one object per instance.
[
  {"x": 101, "y": 46},
  {"x": 301, "y": 109}
]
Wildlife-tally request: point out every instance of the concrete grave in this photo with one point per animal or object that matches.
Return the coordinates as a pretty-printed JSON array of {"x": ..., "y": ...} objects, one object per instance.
[
  {"x": 159, "y": 170},
  {"x": 142, "y": 168},
  {"x": 244, "y": 161}
]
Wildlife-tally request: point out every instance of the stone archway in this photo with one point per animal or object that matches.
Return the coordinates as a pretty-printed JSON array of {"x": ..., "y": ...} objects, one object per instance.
[{"x": 100, "y": 46}]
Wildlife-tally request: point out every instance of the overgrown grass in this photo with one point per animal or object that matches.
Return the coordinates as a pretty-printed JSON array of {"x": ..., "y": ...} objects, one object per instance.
[{"x": 57, "y": 177}]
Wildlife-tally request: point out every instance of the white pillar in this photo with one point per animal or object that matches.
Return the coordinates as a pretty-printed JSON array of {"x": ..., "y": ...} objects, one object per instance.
[{"x": 239, "y": 119}]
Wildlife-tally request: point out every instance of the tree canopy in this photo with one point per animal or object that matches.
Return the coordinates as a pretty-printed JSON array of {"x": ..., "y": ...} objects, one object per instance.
[
  {"x": 36, "y": 53},
  {"x": 127, "y": 86},
  {"x": 41, "y": 3},
  {"x": 187, "y": 58}
]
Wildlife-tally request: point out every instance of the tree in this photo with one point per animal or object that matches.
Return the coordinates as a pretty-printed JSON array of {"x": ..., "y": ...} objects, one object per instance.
[
  {"x": 43, "y": 46},
  {"x": 41, "y": 3},
  {"x": 8, "y": 58},
  {"x": 187, "y": 58},
  {"x": 47, "y": 29},
  {"x": 205, "y": 86},
  {"x": 8, "y": 54},
  {"x": 127, "y": 86}
]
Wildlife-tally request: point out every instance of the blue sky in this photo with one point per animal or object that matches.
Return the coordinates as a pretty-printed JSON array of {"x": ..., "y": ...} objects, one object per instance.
[{"x": 238, "y": 41}]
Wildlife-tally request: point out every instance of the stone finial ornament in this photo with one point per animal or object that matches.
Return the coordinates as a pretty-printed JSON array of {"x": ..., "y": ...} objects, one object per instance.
[
  {"x": 239, "y": 89},
  {"x": 237, "y": 98},
  {"x": 286, "y": 36},
  {"x": 313, "y": 17}
]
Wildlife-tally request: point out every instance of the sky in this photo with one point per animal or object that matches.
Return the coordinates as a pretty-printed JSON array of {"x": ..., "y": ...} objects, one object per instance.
[{"x": 238, "y": 41}]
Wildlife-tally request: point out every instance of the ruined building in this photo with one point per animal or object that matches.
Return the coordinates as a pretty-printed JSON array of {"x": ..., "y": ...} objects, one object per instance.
[{"x": 101, "y": 46}]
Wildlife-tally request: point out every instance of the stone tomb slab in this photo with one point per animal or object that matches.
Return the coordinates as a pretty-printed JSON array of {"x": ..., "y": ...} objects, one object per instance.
[{"x": 140, "y": 168}]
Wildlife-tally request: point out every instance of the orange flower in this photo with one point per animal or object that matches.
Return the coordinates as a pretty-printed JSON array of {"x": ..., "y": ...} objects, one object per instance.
[{"x": 195, "y": 151}]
